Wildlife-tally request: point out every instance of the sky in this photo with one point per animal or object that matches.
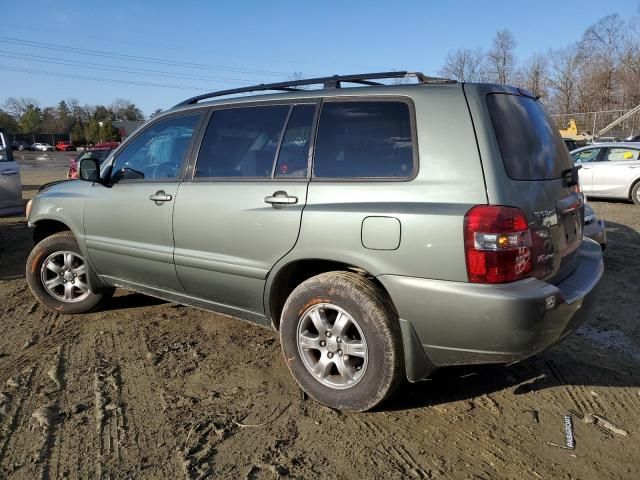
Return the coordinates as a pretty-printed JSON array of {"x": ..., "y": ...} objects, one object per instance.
[{"x": 97, "y": 51}]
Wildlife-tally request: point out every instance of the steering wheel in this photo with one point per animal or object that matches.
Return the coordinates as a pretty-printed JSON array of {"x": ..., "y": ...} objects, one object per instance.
[{"x": 164, "y": 170}]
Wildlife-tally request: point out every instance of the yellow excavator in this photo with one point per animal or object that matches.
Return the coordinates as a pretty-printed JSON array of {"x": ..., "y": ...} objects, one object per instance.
[{"x": 570, "y": 132}]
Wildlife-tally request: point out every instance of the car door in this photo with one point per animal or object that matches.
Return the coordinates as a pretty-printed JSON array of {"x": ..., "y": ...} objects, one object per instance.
[
  {"x": 613, "y": 176},
  {"x": 128, "y": 225},
  {"x": 10, "y": 187},
  {"x": 240, "y": 211},
  {"x": 587, "y": 158}
]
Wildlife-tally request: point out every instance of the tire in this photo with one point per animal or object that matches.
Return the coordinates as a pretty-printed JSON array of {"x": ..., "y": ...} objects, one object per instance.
[
  {"x": 375, "y": 367},
  {"x": 635, "y": 193},
  {"x": 58, "y": 258}
]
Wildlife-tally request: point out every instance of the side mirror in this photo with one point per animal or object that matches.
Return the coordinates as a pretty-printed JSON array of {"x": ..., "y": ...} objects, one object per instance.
[{"x": 89, "y": 170}]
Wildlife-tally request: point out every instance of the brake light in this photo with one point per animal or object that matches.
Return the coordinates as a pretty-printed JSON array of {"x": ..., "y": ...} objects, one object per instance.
[{"x": 497, "y": 243}]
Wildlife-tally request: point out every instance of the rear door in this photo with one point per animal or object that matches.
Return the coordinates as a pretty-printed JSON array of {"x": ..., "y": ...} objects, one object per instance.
[
  {"x": 613, "y": 176},
  {"x": 536, "y": 177},
  {"x": 240, "y": 210},
  {"x": 587, "y": 159},
  {"x": 10, "y": 187}
]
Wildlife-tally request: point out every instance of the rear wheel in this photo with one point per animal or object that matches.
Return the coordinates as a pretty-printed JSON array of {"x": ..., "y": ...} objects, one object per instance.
[
  {"x": 635, "y": 193},
  {"x": 57, "y": 276},
  {"x": 341, "y": 340}
]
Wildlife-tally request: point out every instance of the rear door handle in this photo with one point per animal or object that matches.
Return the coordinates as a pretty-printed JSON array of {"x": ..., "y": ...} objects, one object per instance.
[
  {"x": 633, "y": 166},
  {"x": 9, "y": 172},
  {"x": 281, "y": 198},
  {"x": 160, "y": 197}
]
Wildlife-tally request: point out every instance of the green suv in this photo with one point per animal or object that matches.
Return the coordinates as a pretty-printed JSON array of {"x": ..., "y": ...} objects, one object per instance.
[{"x": 383, "y": 230}]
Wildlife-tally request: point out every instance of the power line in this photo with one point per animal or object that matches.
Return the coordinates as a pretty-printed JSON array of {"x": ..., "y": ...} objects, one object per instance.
[
  {"x": 99, "y": 79},
  {"x": 122, "y": 56},
  {"x": 112, "y": 68}
]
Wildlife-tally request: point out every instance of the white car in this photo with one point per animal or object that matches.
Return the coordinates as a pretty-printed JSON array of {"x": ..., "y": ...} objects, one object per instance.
[
  {"x": 42, "y": 147},
  {"x": 10, "y": 187},
  {"x": 610, "y": 170}
]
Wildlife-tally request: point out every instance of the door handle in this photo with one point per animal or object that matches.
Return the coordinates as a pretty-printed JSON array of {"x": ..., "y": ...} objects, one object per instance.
[
  {"x": 9, "y": 172},
  {"x": 281, "y": 198},
  {"x": 160, "y": 196},
  {"x": 584, "y": 167},
  {"x": 633, "y": 166}
]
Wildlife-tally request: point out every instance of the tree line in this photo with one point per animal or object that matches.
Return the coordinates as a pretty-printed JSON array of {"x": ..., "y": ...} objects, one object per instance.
[
  {"x": 600, "y": 71},
  {"x": 83, "y": 123}
]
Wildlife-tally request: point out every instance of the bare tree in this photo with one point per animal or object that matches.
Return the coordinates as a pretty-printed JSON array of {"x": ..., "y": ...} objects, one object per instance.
[
  {"x": 463, "y": 65},
  {"x": 17, "y": 106},
  {"x": 564, "y": 71},
  {"x": 500, "y": 58},
  {"x": 532, "y": 75}
]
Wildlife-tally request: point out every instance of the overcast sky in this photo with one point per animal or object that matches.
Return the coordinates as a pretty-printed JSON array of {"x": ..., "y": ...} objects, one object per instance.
[{"x": 173, "y": 50}]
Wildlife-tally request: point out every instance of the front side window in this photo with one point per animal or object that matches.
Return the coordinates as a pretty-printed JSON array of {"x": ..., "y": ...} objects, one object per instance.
[
  {"x": 364, "y": 139},
  {"x": 158, "y": 152},
  {"x": 241, "y": 142},
  {"x": 585, "y": 156},
  {"x": 622, "y": 154}
]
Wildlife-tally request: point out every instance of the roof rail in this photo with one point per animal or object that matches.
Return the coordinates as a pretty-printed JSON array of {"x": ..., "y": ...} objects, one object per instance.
[{"x": 327, "y": 82}]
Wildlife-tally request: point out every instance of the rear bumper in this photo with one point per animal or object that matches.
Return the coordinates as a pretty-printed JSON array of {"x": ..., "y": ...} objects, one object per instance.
[{"x": 456, "y": 323}]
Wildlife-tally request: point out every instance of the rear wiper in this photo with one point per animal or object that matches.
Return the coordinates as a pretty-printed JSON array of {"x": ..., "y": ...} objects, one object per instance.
[{"x": 570, "y": 176}]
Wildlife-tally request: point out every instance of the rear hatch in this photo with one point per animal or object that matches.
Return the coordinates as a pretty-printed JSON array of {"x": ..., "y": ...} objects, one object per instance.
[{"x": 538, "y": 177}]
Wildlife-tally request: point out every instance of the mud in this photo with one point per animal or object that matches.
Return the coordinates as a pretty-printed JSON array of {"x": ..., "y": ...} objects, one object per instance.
[{"x": 148, "y": 389}]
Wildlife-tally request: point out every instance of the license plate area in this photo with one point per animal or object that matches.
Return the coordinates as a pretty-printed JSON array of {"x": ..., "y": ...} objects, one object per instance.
[{"x": 572, "y": 231}]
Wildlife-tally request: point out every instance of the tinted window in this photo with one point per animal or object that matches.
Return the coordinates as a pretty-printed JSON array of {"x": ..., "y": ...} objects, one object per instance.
[
  {"x": 530, "y": 145},
  {"x": 364, "y": 140},
  {"x": 241, "y": 142},
  {"x": 622, "y": 154},
  {"x": 158, "y": 152},
  {"x": 294, "y": 151},
  {"x": 585, "y": 156},
  {"x": 5, "y": 150}
]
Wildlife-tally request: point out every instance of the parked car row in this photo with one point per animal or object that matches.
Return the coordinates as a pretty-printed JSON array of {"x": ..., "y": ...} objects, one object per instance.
[{"x": 38, "y": 146}]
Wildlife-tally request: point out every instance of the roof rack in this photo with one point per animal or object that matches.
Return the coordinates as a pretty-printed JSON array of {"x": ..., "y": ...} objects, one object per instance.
[{"x": 327, "y": 82}]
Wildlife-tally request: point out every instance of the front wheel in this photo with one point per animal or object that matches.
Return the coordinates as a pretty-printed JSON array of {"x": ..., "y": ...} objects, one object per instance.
[
  {"x": 341, "y": 340},
  {"x": 635, "y": 194},
  {"x": 57, "y": 276}
]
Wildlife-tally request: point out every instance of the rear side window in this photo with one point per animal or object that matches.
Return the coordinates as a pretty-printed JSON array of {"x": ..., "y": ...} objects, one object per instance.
[
  {"x": 530, "y": 145},
  {"x": 5, "y": 149},
  {"x": 364, "y": 139},
  {"x": 241, "y": 142},
  {"x": 622, "y": 154}
]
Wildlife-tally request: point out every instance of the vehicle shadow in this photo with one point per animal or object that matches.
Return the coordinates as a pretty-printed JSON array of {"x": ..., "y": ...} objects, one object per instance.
[
  {"x": 604, "y": 351},
  {"x": 15, "y": 245}
]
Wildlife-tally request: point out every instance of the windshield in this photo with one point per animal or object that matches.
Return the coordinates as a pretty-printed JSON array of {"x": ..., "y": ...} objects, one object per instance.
[{"x": 530, "y": 145}]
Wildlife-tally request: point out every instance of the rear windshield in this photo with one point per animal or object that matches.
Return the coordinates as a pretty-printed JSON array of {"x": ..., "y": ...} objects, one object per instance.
[{"x": 530, "y": 145}]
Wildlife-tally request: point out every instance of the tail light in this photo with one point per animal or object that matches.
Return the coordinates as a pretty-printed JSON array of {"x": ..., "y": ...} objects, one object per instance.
[{"x": 497, "y": 243}]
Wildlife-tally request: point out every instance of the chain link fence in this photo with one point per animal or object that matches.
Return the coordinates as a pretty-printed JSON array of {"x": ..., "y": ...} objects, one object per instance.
[{"x": 589, "y": 122}]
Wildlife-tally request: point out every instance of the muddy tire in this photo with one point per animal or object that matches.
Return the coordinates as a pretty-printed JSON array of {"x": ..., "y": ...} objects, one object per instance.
[
  {"x": 635, "y": 194},
  {"x": 341, "y": 340},
  {"x": 56, "y": 273}
]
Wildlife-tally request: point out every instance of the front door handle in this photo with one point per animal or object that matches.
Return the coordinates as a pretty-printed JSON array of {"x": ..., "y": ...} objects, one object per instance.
[
  {"x": 584, "y": 167},
  {"x": 9, "y": 172},
  {"x": 160, "y": 197},
  {"x": 281, "y": 198},
  {"x": 633, "y": 166}
]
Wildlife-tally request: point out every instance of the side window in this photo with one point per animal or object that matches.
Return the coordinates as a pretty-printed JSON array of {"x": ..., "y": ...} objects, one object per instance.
[
  {"x": 241, "y": 142},
  {"x": 366, "y": 139},
  {"x": 5, "y": 149},
  {"x": 585, "y": 156},
  {"x": 158, "y": 152},
  {"x": 622, "y": 154},
  {"x": 294, "y": 151}
]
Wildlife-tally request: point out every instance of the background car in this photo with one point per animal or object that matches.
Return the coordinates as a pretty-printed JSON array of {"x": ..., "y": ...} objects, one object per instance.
[
  {"x": 100, "y": 154},
  {"x": 610, "y": 170},
  {"x": 64, "y": 146},
  {"x": 109, "y": 145},
  {"x": 606, "y": 140},
  {"x": 20, "y": 145},
  {"x": 10, "y": 186},
  {"x": 594, "y": 227},
  {"x": 42, "y": 147}
]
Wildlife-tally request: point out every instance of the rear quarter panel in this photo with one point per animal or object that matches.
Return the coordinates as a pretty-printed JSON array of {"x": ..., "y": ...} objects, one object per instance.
[{"x": 429, "y": 207}]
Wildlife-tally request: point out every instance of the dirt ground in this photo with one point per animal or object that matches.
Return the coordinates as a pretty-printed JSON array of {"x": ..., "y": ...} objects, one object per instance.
[{"x": 148, "y": 389}]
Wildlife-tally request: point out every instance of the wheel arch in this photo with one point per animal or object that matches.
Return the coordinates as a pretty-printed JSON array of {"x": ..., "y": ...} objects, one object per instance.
[{"x": 283, "y": 280}]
